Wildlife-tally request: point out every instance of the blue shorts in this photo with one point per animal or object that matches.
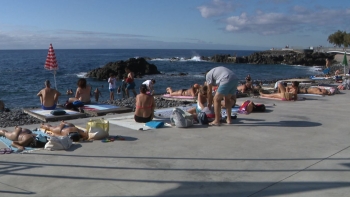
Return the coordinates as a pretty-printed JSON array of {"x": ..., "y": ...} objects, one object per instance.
[
  {"x": 111, "y": 90},
  {"x": 198, "y": 110},
  {"x": 48, "y": 108},
  {"x": 130, "y": 86},
  {"x": 228, "y": 88}
]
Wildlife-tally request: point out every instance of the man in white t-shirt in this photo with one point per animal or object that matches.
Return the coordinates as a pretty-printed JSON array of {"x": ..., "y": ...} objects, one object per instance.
[{"x": 150, "y": 85}]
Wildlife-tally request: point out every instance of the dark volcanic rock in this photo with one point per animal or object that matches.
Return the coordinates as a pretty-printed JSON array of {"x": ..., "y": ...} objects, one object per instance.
[
  {"x": 139, "y": 66},
  {"x": 289, "y": 57}
]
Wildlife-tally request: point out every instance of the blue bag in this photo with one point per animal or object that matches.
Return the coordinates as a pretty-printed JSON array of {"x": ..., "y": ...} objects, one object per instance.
[
  {"x": 78, "y": 104},
  {"x": 202, "y": 118},
  {"x": 155, "y": 124}
]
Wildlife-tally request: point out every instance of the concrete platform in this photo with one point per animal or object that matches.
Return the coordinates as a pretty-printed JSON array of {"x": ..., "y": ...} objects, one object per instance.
[
  {"x": 46, "y": 116},
  {"x": 296, "y": 149}
]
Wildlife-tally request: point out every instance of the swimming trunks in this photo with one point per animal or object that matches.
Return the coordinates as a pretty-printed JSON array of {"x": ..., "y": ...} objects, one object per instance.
[
  {"x": 142, "y": 119},
  {"x": 228, "y": 88},
  {"x": 130, "y": 86},
  {"x": 48, "y": 108}
]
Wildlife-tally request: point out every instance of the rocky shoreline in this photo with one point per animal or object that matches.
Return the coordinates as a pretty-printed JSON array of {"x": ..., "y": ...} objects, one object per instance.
[{"x": 16, "y": 117}]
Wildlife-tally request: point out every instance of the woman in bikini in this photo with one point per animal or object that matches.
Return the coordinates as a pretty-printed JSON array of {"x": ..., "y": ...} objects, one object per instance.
[
  {"x": 83, "y": 92},
  {"x": 66, "y": 129},
  {"x": 193, "y": 91},
  {"x": 145, "y": 106},
  {"x": 20, "y": 137},
  {"x": 285, "y": 93}
]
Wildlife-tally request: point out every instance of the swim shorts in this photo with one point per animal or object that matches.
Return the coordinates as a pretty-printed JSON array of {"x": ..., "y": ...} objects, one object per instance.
[
  {"x": 130, "y": 86},
  {"x": 48, "y": 108},
  {"x": 111, "y": 90},
  {"x": 228, "y": 88}
]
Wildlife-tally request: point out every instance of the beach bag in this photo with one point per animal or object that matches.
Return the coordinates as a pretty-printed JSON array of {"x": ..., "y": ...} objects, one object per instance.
[
  {"x": 58, "y": 112},
  {"x": 259, "y": 108},
  {"x": 243, "y": 107},
  {"x": 68, "y": 105},
  {"x": 202, "y": 118},
  {"x": 58, "y": 143},
  {"x": 181, "y": 119},
  {"x": 97, "y": 129},
  {"x": 78, "y": 104},
  {"x": 346, "y": 84}
]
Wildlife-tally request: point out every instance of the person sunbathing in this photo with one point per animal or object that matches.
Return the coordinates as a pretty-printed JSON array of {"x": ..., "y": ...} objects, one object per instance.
[
  {"x": 315, "y": 90},
  {"x": 22, "y": 137},
  {"x": 66, "y": 129},
  {"x": 285, "y": 93},
  {"x": 201, "y": 102},
  {"x": 193, "y": 91}
]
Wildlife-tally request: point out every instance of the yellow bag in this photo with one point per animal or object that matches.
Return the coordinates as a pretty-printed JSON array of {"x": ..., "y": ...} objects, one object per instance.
[{"x": 98, "y": 129}]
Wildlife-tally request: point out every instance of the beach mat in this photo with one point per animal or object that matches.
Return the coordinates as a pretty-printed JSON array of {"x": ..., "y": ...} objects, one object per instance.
[
  {"x": 46, "y": 116},
  {"x": 179, "y": 98},
  {"x": 129, "y": 122},
  {"x": 298, "y": 80},
  {"x": 102, "y": 109},
  {"x": 8, "y": 142}
]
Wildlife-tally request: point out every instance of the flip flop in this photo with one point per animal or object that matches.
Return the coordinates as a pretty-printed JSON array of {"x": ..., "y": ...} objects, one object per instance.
[
  {"x": 105, "y": 140},
  {"x": 8, "y": 150},
  {"x": 2, "y": 150},
  {"x": 213, "y": 124}
]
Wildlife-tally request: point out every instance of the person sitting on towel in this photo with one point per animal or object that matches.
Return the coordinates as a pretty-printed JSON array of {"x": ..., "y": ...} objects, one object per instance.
[
  {"x": 82, "y": 93},
  {"x": 145, "y": 105},
  {"x": 21, "y": 138},
  {"x": 66, "y": 129},
  {"x": 201, "y": 102},
  {"x": 193, "y": 91},
  {"x": 285, "y": 93},
  {"x": 315, "y": 90},
  {"x": 48, "y": 97}
]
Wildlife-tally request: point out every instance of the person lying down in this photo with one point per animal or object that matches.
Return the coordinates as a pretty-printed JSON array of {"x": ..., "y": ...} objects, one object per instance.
[
  {"x": 193, "y": 91},
  {"x": 66, "y": 129},
  {"x": 315, "y": 90},
  {"x": 22, "y": 137}
]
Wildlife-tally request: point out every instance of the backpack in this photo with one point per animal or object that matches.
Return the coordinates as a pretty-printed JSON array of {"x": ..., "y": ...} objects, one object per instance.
[
  {"x": 181, "y": 119},
  {"x": 202, "y": 118},
  {"x": 346, "y": 84}
]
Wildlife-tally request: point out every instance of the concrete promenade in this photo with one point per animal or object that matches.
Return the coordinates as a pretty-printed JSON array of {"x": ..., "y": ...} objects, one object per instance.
[{"x": 297, "y": 148}]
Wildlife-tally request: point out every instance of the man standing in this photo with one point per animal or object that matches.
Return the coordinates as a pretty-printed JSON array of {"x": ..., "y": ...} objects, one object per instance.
[
  {"x": 227, "y": 83},
  {"x": 150, "y": 85},
  {"x": 48, "y": 97}
]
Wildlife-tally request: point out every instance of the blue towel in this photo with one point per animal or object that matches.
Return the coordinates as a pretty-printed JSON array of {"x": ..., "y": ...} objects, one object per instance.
[
  {"x": 8, "y": 142},
  {"x": 155, "y": 124}
]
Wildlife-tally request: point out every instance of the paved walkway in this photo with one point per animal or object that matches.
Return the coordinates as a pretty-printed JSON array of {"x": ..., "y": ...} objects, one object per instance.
[{"x": 294, "y": 149}]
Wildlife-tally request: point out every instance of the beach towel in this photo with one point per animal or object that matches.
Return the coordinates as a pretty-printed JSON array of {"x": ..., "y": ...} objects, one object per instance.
[
  {"x": 8, "y": 142},
  {"x": 279, "y": 99},
  {"x": 179, "y": 97}
]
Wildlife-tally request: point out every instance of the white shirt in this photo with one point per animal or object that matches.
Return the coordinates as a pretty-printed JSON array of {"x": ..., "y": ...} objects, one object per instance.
[
  {"x": 111, "y": 82},
  {"x": 149, "y": 84}
]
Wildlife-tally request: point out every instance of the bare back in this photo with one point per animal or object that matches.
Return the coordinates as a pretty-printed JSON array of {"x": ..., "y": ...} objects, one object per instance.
[
  {"x": 144, "y": 105},
  {"x": 83, "y": 94},
  {"x": 49, "y": 96}
]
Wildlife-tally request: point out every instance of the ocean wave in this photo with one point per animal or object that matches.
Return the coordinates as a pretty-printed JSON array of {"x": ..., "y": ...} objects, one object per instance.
[
  {"x": 180, "y": 59},
  {"x": 81, "y": 74}
]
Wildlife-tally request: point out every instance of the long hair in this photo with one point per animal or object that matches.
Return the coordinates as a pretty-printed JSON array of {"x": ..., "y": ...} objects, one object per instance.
[
  {"x": 143, "y": 88},
  {"x": 81, "y": 83}
]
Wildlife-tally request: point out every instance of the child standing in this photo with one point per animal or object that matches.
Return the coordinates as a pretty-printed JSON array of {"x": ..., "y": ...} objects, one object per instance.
[{"x": 111, "y": 81}]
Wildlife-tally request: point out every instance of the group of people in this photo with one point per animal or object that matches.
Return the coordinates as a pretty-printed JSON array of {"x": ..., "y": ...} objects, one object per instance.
[
  {"x": 225, "y": 95},
  {"x": 49, "y": 96},
  {"x": 128, "y": 83}
]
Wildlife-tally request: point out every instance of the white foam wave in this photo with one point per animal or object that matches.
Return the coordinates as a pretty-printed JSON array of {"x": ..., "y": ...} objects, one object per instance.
[
  {"x": 181, "y": 59},
  {"x": 81, "y": 75}
]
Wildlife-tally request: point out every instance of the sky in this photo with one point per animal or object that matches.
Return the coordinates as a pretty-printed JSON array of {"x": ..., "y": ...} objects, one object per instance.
[{"x": 170, "y": 24}]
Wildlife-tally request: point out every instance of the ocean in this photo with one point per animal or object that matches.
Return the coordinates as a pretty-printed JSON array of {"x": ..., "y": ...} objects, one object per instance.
[{"x": 22, "y": 72}]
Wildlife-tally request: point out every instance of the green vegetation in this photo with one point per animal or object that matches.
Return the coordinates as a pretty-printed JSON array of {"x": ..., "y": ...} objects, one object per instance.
[{"x": 339, "y": 38}]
